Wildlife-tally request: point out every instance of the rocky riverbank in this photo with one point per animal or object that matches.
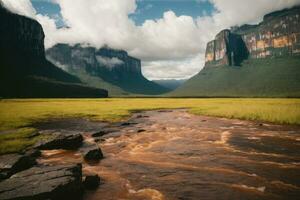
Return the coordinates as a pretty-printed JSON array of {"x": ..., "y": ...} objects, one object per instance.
[
  {"x": 156, "y": 155},
  {"x": 23, "y": 177}
]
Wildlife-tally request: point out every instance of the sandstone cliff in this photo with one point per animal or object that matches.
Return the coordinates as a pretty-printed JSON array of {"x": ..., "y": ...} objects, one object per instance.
[
  {"x": 269, "y": 56},
  {"x": 278, "y": 35}
]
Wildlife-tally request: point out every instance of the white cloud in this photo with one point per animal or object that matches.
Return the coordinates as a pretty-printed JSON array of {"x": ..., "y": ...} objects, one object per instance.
[
  {"x": 109, "y": 62},
  {"x": 174, "y": 69},
  {"x": 21, "y": 7},
  {"x": 170, "y": 46}
]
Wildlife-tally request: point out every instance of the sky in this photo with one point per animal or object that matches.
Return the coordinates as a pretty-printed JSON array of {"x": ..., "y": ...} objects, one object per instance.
[{"x": 169, "y": 36}]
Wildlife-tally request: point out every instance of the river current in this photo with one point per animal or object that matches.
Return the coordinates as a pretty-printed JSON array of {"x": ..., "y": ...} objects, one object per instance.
[{"x": 176, "y": 155}]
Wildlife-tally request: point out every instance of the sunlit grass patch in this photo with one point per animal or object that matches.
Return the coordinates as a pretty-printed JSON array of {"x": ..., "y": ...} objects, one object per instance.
[
  {"x": 15, "y": 114},
  {"x": 17, "y": 140},
  {"x": 21, "y": 113}
]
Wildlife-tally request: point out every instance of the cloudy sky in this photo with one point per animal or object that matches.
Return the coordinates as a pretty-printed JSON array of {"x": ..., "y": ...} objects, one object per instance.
[{"x": 169, "y": 36}]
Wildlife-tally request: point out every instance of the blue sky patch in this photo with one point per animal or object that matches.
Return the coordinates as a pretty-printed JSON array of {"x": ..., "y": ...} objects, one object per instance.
[{"x": 146, "y": 9}]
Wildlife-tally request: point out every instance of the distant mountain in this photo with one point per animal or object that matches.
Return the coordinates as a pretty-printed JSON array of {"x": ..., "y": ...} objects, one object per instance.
[
  {"x": 252, "y": 60},
  {"x": 107, "y": 68},
  {"x": 24, "y": 70},
  {"x": 171, "y": 84}
]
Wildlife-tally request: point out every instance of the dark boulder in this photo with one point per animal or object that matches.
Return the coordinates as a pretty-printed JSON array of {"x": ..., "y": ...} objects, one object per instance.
[
  {"x": 34, "y": 153},
  {"x": 99, "y": 139},
  {"x": 92, "y": 152},
  {"x": 128, "y": 123},
  {"x": 44, "y": 182},
  {"x": 13, "y": 163},
  {"x": 91, "y": 181},
  {"x": 104, "y": 132},
  {"x": 61, "y": 141}
]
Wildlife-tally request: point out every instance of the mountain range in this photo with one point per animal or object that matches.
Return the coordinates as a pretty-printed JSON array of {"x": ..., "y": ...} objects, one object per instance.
[
  {"x": 113, "y": 70},
  {"x": 24, "y": 70},
  {"x": 260, "y": 60}
]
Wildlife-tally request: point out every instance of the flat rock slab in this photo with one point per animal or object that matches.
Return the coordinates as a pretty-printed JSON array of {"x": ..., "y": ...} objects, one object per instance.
[
  {"x": 13, "y": 163},
  {"x": 44, "y": 182},
  {"x": 60, "y": 140}
]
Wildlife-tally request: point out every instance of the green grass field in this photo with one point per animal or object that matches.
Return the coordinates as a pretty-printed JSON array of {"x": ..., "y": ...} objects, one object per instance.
[{"x": 16, "y": 116}]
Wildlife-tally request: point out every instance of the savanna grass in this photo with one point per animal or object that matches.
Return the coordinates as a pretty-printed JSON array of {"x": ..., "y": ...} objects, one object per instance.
[{"x": 17, "y": 114}]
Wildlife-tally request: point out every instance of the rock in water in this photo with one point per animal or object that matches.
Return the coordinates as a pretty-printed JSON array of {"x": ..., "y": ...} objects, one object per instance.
[
  {"x": 62, "y": 141},
  {"x": 13, "y": 163},
  {"x": 104, "y": 132},
  {"x": 44, "y": 182},
  {"x": 92, "y": 153},
  {"x": 91, "y": 181}
]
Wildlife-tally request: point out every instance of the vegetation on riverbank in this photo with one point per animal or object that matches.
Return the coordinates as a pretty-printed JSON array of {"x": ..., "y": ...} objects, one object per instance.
[
  {"x": 17, "y": 140},
  {"x": 15, "y": 114},
  {"x": 23, "y": 112}
]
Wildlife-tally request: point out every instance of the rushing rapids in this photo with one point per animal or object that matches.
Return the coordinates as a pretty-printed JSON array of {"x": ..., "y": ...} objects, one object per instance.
[{"x": 176, "y": 155}]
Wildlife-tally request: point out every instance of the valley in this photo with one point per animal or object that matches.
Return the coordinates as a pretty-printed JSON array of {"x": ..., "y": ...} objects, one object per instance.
[{"x": 95, "y": 104}]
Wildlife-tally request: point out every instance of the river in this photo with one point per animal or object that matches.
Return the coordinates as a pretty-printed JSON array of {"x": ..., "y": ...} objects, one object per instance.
[{"x": 176, "y": 155}]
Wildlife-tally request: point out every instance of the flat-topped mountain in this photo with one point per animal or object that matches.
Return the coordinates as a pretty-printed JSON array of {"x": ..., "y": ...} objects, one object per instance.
[
  {"x": 278, "y": 35},
  {"x": 260, "y": 60},
  {"x": 107, "y": 68},
  {"x": 24, "y": 70}
]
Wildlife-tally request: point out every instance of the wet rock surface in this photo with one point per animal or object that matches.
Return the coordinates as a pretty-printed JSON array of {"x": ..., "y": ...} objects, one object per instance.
[
  {"x": 104, "y": 132},
  {"x": 13, "y": 163},
  {"x": 92, "y": 152},
  {"x": 61, "y": 140},
  {"x": 44, "y": 182},
  {"x": 91, "y": 181}
]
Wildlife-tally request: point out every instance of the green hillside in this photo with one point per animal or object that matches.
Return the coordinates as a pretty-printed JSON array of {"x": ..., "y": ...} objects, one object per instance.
[
  {"x": 273, "y": 77},
  {"x": 97, "y": 82},
  {"x": 113, "y": 90}
]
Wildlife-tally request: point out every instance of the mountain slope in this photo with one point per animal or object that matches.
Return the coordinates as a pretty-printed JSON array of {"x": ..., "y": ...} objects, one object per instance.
[
  {"x": 278, "y": 77},
  {"x": 108, "y": 68},
  {"x": 267, "y": 56},
  {"x": 24, "y": 70},
  {"x": 170, "y": 84}
]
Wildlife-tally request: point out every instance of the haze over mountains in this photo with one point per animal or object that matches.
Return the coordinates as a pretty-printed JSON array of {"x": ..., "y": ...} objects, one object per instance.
[
  {"x": 24, "y": 70},
  {"x": 260, "y": 60},
  {"x": 113, "y": 70}
]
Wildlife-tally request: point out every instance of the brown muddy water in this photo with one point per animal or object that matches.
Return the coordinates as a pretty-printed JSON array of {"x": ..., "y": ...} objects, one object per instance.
[{"x": 176, "y": 155}]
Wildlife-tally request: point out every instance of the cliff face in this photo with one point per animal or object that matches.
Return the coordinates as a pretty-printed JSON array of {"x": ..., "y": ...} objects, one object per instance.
[
  {"x": 113, "y": 66},
  {"x": 20, "y": 35},
  {"x": 277, "y": 36},
  {"x": 24, "y": 70},
  {"x": 227, "y": 49},
  {"x": 109, "y": 64}
]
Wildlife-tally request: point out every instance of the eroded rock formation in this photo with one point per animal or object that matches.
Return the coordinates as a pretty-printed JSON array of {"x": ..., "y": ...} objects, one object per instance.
[{"x": 277, "y": 35}]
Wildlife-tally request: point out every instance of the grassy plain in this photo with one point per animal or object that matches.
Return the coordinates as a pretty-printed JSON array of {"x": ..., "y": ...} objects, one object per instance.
[{"x": 19, "y": 114}]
